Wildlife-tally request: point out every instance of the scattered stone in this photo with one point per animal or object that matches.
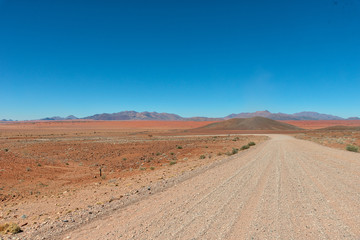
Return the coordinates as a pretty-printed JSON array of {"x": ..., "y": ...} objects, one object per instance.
[
  {"x": 23, "y": 216},
  {"x": 112, "y": 180},
  {"x": 24, "y": 224},
  {"x": 65, "y": 220}
]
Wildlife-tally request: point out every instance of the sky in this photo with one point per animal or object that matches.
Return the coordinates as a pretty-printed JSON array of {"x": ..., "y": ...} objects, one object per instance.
[{"x": 193, "y": 58}]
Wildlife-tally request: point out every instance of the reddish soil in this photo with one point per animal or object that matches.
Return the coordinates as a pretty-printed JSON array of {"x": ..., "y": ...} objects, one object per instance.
[
  {"x": 50, "y": 168},
  {"x": 316, "y": 124},
  {"x": 50, "y": 179},
  {"x": 334, "y": 139},
  {"x": 81, "y": 124},
  {"x": 284, "y": 189}
]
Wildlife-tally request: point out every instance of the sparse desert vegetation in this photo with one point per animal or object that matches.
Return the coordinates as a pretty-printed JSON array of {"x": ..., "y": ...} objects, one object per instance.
[
  {"x": 341, "y": 139},
  {"x": 53, "y": 173},
  {"x": 244, "y": 147},
  {"x": 59, "y": 162},
  {"x": 9, "y": 228},
  {"x": 352, "y": 148}
]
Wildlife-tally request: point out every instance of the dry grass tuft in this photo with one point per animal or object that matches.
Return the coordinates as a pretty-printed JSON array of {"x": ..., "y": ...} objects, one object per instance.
[{"x": 11, "y": 228}]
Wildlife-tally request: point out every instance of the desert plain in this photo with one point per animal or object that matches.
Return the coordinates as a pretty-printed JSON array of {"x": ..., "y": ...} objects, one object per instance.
[{"x": 69, "y": 179}]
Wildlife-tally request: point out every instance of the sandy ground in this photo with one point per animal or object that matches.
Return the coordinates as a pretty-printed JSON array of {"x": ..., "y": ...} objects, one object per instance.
[
  {"x": 49, "y": 171},
  {"x": 339, "y": 139},
  {"x": 316, "y": 124},
  {"x": 284, "y": 188}
]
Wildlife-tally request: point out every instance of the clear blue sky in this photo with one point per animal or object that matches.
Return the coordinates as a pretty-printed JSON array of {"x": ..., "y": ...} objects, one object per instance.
[{"x": 193, "y": 58}]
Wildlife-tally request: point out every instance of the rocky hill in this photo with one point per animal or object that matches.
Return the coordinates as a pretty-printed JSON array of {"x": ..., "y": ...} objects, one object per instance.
[
  {"x": 254, "y": 123},
  {"x": 285, "y": 116}
]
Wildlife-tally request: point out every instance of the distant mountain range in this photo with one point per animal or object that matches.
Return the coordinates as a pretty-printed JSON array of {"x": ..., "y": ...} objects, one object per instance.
[
  {"x": 71, "y": 117},
  {"x": 155, "y": 116},
  {"x": 133, "y": 115},
  {"x": 285, "y": 116}
]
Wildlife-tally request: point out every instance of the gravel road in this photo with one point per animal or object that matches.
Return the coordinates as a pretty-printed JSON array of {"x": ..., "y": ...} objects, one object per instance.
[{"x": 284, "y": 188}]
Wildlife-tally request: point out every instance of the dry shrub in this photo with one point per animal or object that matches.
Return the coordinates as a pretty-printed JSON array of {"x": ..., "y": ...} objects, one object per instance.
[
  {"x": 11, "y": 228},
  {"x": 352, "y": 148}
]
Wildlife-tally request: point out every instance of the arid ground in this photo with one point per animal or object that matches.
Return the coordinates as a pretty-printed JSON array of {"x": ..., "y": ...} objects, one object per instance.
[
  {"x": 317, "y": 124},
  {"x": 49, "y": 169},
  {"x": 284, "y": 189},
  {"x": 160, "y": 181}
]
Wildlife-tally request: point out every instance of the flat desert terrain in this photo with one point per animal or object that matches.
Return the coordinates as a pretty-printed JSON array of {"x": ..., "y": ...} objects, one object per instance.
[
  {"x": 316, "y": 124},
  {"x": 160, "y": 180},
  {"x": 285, "y": 189},
  {"x": 51, "y": 169}
]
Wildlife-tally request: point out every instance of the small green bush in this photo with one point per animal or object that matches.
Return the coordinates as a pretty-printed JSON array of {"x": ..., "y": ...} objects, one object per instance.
[
  {"x": 179, "y": 147},
  {"x": 352, "y": 148},
  {"x": 152, "y": 168},
  {"x": 202, "y": 157},
  {"x": 245, "y": 147},
  {"x": 235, "y": 151},
  {"x": 172, "y": 162},
  {"x": 251, "y": 144}
]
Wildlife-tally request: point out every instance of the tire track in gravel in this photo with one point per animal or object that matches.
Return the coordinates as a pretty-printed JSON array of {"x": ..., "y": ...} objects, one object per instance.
[
  {"x": 266, "y": 207},
  {"x": 284, "y": 188},
  {"x": 230, "y": 209},
  {"x": 338, "y": 208},
  {"x": 315, "y": 201},
  {"x": 198, "y": 207},
  {"x": 175, "y": 209}
]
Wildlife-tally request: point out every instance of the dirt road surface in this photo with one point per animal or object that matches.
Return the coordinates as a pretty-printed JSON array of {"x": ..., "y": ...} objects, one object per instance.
[{"x": 284, "y": 188}]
